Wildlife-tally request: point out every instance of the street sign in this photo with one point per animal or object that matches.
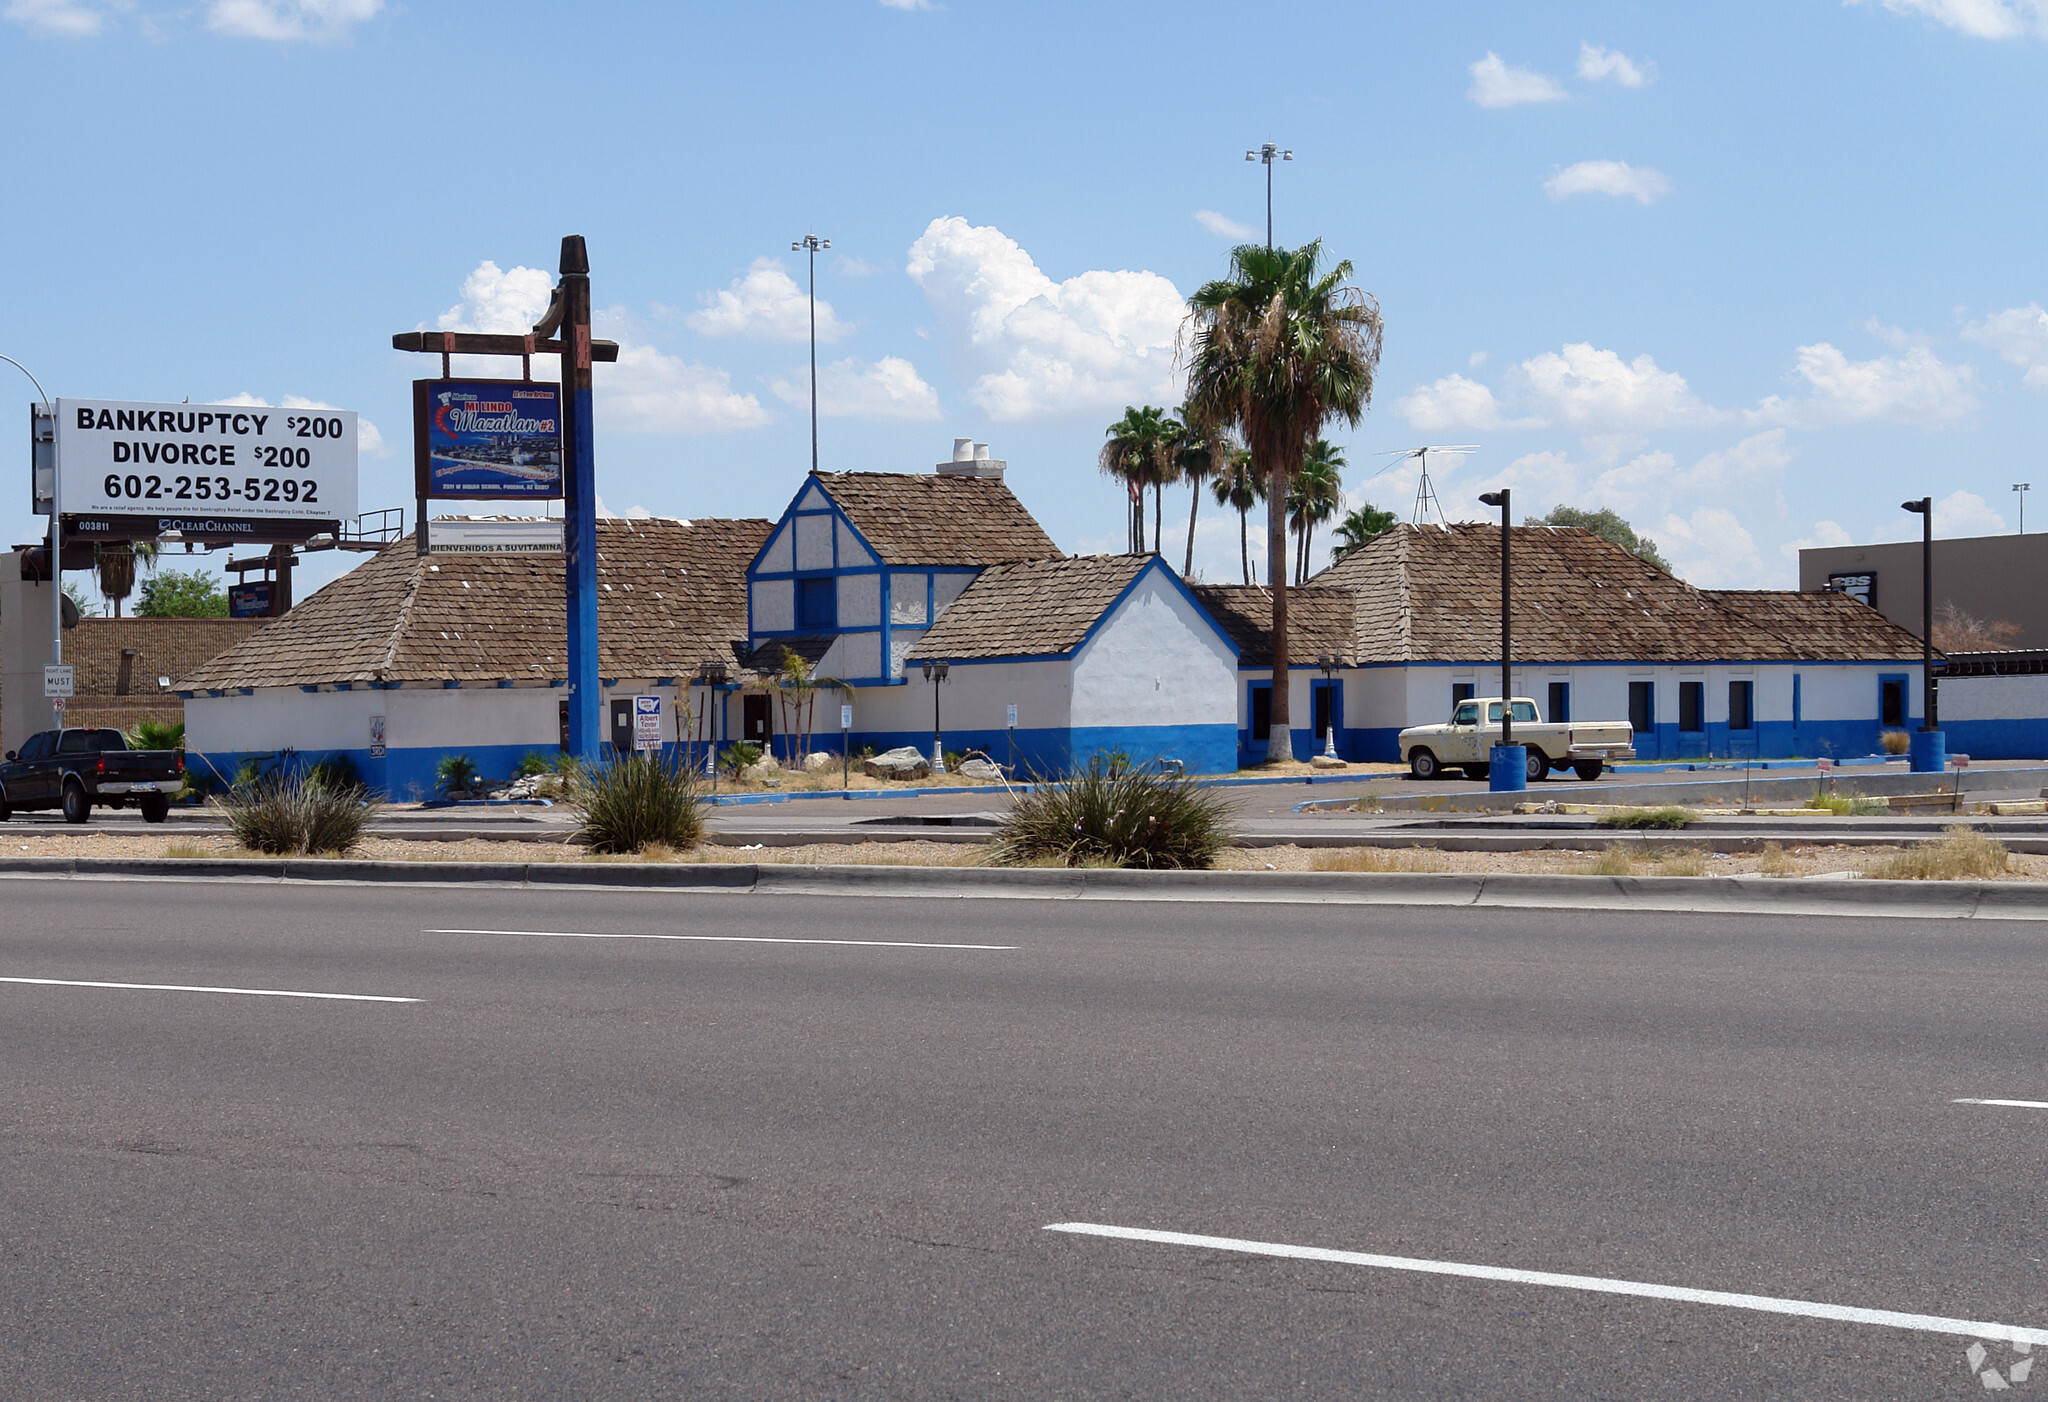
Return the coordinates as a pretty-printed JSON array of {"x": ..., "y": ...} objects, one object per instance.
[
  {"x": 486, "y": 438},
  {"x": 1013, "y": 717},
  {"x": 60, "y": 679},
  {"x": 57, "y": 705},
  {"x": 647, "y": 722},
  {"x": 845, "y": 717},
  {"x": 234, "y": 461},
  {"x": 376, "y": 737}
]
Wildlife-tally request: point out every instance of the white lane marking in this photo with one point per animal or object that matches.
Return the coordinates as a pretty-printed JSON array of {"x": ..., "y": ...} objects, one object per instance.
[
  {"x": 2018, "y": 1104},
  {"x": 197, "y": 988},
  {"x": 717, "y": 939},
  {"x": 1927, "y": 1323}
]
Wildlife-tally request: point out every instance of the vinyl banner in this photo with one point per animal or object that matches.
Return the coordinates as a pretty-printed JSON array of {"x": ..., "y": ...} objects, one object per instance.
[
  {"x": 487, "y": 438},
  {"x": 238, "y": 462}
]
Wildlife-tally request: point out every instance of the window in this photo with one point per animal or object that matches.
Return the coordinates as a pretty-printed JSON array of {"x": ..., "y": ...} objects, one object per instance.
[
  {"x": 817, "y": 603},
  {"x": 1460, "y": 691},
  {"x": 39, "y": 745},
  {"x": 1692, "y": 706},
  {"x": 1466, "y": 714},
  {"x": 1741, "y": 705},
  {"x": 1642, "y": 706},
  {"x": 1560, "y": 702},
  {"x": 1892, "y": 701},
  {"x": 1262, "y": 714},
  {"x": 1525, "y": 713}
]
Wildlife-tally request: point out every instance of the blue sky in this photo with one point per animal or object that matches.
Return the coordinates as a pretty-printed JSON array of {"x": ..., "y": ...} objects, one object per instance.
[{"x": 1752, "y": 274}]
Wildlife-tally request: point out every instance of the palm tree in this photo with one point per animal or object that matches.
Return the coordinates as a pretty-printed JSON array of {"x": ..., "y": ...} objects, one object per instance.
[
  {"x": 1138, "y": 455},
  {"x": 1360, "y": 525},
  {"x": 1196, "y": 454},
  {"x": 113, "y": 568},
  {"x": 1276, "y": 350},
  {"x": 1313, "y": 498},
  {"x": 1239, "y": 487}
]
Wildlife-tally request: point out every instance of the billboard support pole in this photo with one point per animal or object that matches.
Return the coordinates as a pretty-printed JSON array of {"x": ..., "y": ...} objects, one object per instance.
[{"x": 579, "y": 502}]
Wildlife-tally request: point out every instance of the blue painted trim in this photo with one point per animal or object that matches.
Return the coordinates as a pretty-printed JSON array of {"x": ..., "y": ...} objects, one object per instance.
[
  {"x": 1493, "y": 663},
  {"x": 1998, "y": 739}
]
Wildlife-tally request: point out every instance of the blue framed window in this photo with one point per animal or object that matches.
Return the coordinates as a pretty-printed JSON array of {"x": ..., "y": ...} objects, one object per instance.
[
  {"x": 1560, "y": 703},
  {"x": 817, "y": 604},
  {"x": 1741, "y": 705}
]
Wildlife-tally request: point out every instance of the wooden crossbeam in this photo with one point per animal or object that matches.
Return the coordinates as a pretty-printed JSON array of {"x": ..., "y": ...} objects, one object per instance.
[{"x": 477, "y": 343}]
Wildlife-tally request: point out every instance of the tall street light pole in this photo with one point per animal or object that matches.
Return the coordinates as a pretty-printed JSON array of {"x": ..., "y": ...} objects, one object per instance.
[
  {"x": 1508, "y": 771},
  {"x": 1929, "y": 747},
  {"x": 56, "y": 505},
  {"x": 2023, "y": 488},
  {"x": 810, "y": 244},
  {"x": 1267, "y": 154}
]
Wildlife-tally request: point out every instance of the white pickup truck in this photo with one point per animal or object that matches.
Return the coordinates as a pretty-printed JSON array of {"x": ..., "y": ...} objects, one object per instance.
[{"x": 1464, "y": 743}]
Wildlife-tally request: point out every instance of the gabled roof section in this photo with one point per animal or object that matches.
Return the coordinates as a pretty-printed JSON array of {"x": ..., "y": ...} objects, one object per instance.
[
  {"x": 913, "y": 519},
  {"x": 1037, "y": 608},
  {"x": 1319, "y": 621},
  {"x": 671, "y": 596},
  {"x": 1432, "y": 594}
]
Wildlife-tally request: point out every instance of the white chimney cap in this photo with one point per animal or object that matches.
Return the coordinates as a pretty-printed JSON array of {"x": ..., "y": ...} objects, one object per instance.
[
  {"x": 963, "y": 450},
  {"x": 981, "y": 452}
]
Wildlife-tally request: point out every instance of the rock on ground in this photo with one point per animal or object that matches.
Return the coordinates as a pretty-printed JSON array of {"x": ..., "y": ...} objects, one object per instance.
[
  {"x": 980, "y": 769},
  {"x": 903, "y": 762},
  {"x": 817, "y": 760}
]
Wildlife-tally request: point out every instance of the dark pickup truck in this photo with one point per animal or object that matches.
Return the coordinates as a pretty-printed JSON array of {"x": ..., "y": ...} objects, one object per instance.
[{"x": 76, "y": 769}]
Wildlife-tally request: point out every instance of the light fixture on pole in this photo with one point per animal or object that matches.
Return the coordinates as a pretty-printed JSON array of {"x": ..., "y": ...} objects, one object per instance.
[
  {"x": 1929, "y": 747},
  {"x": 811, "y": 244},
  {"x": 935, "y": 672},
  {"x": 1267, "y": 154},
  {"x": 712, "y": 676},
  {"x": 2023, "y": 488},
  {"x": 1508, "y": 768},
  {"x": 1329, "y": 666},
  {"x": 56, "y": 541}
]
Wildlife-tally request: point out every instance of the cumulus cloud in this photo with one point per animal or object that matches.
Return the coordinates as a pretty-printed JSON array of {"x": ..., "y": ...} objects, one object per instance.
[
  {"x": 499, "y": 302},
  {"x": 2020, "y": 336},
  {"x": 368, "y": 438},
  {"x": 1710, "y": 548},
  {"x": 889, "y": 389},
  {"x": 71, "y": 18},
  {"x": 1495, "y": 84},
  {"x": 1617, "y": 178},
  {"x": 1898, "y": 338},
  {"x": 1959, "y": 513},
  {"x": 1039, "y": 348},
  {"x": 631, "y": 513},
  {"x": 1454, "y": 403},
  {"x": 318, "y": 21},
  {"x": 765, "y": 303},
  {"x": 1223, "y": 226},
  {"x": 1824, "y": 535},
  {"x": 1594, "y": 390},
  {"x": 909, "y": 5},
  {"x": 649, "y": 392},
  {"x": 1914, "y": 388},
  {"x": 1598, "y": 65},
  {"x": 1980, "y": 19}
]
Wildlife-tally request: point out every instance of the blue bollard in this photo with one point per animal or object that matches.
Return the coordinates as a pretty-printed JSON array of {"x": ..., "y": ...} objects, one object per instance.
[
  {"x": 1929, "y": 751},
  {"x": 1508, "y": 769}
]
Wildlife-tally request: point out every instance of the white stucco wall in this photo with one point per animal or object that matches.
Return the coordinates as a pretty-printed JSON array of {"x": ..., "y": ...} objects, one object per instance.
[
  {"x": 814, "y": 542},
  {"x": 901, "y": 641},
  {"x": 976, "y": 696},
  {"x": 860, "y": 601},
  {"x": 907, "y": 589},
  {"x": 1155, "y": 661},
  {"x": 946, "y": 588},
  {"x": 851, "y": 551},
  {"x": 780, "y": 557},
  {"x": 852, "y": 655},
  {"x": 1993, "y": 698},
  {"x": 774, "y": 605}
]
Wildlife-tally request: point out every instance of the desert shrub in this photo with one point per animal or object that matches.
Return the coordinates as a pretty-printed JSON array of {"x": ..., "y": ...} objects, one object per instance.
[
  {"x": 335, "y": 772},
  {"x": 636, "y": 800},
  {"x": 1115, "y": 812},
  {"x": 282, "y": 813},
  {"x": 1896, "y": 742},
  {"x": 1960, "y": 855},
  {"x": 1774, "y": 862},
  {"x": 151, "y": 734},
  {"x": 256, "y": 768},
  {"x": 1379, "y": 859},
  {"x": 1847, "y": 805},
  {"x": 456, "y": 773},
  {"x": 1682, "y": 861},
  {"x": 1667, "y": 816},
  {"x": 1612, "y": 861},
  {"x": 532, "y": 763},
  {"x": 739, "y": 755}
]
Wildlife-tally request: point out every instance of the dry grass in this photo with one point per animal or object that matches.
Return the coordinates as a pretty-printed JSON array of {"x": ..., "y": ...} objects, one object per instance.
[
  {"x": 185, "y": 849},
  {"x": 1897, "y": 742},
  {"x": 1614, "y": 861},
  {"x": 1961, "y": 855},
  {"x": 1682, "y": 861},
  {"x": 1773, "y": 862},
  {"x": 1379, "y": 859}
]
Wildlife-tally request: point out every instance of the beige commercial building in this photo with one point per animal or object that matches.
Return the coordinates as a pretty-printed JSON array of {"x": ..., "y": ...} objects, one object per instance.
[{"x": 1994, "y": 579}]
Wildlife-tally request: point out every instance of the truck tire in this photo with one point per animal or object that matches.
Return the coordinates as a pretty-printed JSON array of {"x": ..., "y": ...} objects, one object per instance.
[
  {"x": 1422, "y": 765},
  {"x": 1477, "y": 772},
  {"x": 1539, "y": 765},
  {"x": 6, "y": 808},
  {"x": 77, "y": 807},
  {"x": 1589, "y": 769},
  {"x": 155, "y": 807}
]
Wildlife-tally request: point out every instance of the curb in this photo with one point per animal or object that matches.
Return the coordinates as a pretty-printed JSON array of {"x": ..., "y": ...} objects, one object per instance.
[{"x": 1675, "y": 894}]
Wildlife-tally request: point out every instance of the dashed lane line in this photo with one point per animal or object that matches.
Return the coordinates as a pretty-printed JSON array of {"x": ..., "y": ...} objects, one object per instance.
[
  {"x": 717, "y": 939},
  {"x": 201, "y": 988}
]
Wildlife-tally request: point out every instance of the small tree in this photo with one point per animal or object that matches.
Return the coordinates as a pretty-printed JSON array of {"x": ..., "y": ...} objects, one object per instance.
[
  {"x": 1608, "y": 526},
  {"x": 182, "y": 594},
  {"x": 1362, "y": 524},
  {"x": 796, "y": 690}
]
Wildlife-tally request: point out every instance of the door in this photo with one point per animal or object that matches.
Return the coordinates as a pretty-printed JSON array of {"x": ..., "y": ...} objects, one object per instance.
[
  {"x": 754, "y": 720},
  {"x": 1323, "y": 705},
  {"x": 622, "y": 725},
  {"x": 1461, "y": 741},
  {"x": 1891, "y": 698},
  {"x": 1260, "y": 729},
  {"x": 1560, "y": 712},
  {"x": 1642, "y": 715}
]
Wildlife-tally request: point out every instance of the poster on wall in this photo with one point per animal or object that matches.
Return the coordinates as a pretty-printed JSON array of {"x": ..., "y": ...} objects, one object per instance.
[{"x": 487, "y": 438}]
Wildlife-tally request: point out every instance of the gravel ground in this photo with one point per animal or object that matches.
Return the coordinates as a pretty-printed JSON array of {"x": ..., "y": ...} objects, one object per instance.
[{"x": 1801, "y": 860}]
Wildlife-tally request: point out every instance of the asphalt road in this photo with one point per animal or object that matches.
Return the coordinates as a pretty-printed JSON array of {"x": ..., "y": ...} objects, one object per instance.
[{"x": 622, "y": 1168}]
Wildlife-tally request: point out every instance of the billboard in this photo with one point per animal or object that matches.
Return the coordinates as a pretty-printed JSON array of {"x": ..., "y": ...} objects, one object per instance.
[
  {"x": 221, "y": 462},
  {"x": 251, "y": 600},
  {"x": 459, "y": 535},
  {"x": 487, "y": 438}
]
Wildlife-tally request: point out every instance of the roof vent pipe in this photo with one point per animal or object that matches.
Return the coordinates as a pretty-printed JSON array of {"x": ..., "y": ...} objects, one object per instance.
[
  {"x": 963, "y": 450},
  {"x": 981, "y": 452}
]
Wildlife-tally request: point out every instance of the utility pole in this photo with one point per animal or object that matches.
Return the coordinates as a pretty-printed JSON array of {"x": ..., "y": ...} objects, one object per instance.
[
  {"x": 56, "y": 519},
  {"x": 810, "y": 244},
  {"x": 2023, "y": 488},
  {"x": 1268, "y": 154}
]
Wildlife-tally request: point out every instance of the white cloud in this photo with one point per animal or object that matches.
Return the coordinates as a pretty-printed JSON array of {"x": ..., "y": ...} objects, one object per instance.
[
  {"x": 846, "y": 265},
  {"x": 648, "y": 392},
  {"x": 1958, "y": 514},
  {"x": 909, "y": 5},
  {"x": 1897, "y": 337},
  {"x": 71, "y": 18},
  {"x": 1597, "y": 391},
  {"x": 1617, "y": 178},
  {"x": 2020, "y": 336},
  {"x": 1914, "y": 388},
  {"x": 1980, "y": 19},
  {"x": 1494, "y": 84},
  {"x": 1475, "y": 360},
  {"x": 1600, "y": 65},
  {"x": 498, "y": 302},
  {"x": 1097, "y": 341},
  {"x": 888, "y": 389},
  {"x": 1454, "y": 403},
  {"x": 1711, "y": 549},
  {"x": 315, "y": 20},
  {"x": 631, "y": 513},
  {"x": 1825, "y": 534},
  {"x": 1223, "y": 226},
  {"x": 765, "y": 303},
  {"x": 368, "y": 438}
]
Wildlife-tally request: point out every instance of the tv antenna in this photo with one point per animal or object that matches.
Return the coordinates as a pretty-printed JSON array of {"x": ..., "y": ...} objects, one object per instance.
[{"x": 1425, "y": 494}]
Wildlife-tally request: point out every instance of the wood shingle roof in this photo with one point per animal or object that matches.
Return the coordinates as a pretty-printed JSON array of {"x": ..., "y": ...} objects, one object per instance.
[
  {"x": 933, "y": 519},
  {"x": 1319, "y": 621},
  {"x": 1037, "y": 608},
  {"x": 671, "y": 595}
]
